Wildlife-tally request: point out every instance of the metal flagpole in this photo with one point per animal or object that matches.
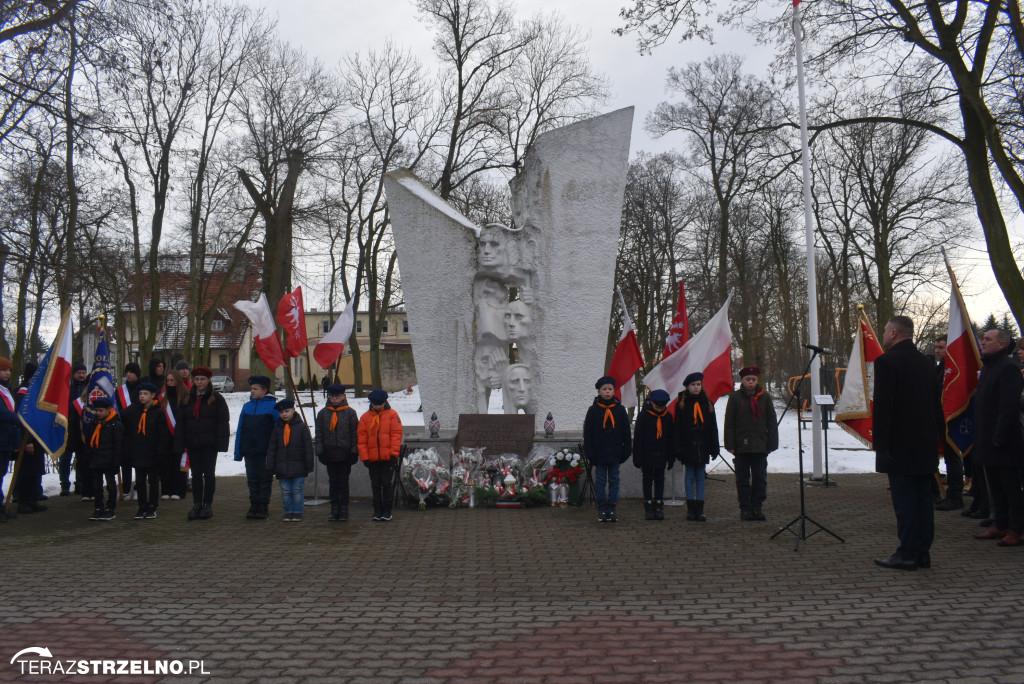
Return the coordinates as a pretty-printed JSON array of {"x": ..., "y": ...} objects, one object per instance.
[{"x": 812, "y": 286}]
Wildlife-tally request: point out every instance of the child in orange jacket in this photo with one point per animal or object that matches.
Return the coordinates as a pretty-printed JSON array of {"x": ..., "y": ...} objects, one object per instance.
[{"x": 380, "y": 443}]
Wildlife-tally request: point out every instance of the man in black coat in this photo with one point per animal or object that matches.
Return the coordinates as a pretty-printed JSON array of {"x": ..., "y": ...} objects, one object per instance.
[
  {"x": 203, "y": 430},
  {"x": 998, "y": 445},
  {"x": 906, "y": 433}
]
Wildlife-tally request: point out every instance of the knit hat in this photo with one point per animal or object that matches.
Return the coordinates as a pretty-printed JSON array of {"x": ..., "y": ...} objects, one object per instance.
[
  {"x": 659, "y": 396},
  {"x": 750, "y": 370},
  {"x": 78, "y": 366},
  {"x": 606, "y": 380},
  {"x": 284, "y": 404},
  {"x": 132, "y": 367},
  {"x": 5, "y": 364},
  {"x": 259, "y": 380},
  {"x": 378, "y": 397},
  {"x": 202, "y": 370},
  {"x": 335, "y": 389},
  {"x": 101, "y": 402},
  {"x": 692, "y": 378},
  {"x": 181, "y": 365},
  {"x": 147, "y": 387}
]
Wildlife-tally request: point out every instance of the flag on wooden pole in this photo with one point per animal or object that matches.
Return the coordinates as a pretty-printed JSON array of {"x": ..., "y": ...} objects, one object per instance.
[
  {"x": 328, "y": 349},
  {"x": 960, "y": 375},
  {"x": 626, "y": 361},
  {"x": 292, "y": 317},
  {"x": 44, "y": 410},
  {"x": 854, "y": 408},
  {"x": 679, "y": 333},
  {"x": 264, "y": 332}
]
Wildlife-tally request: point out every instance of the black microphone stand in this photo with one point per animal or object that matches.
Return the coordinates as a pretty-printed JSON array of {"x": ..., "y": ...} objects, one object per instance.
[{"x": 803, "y": 518}]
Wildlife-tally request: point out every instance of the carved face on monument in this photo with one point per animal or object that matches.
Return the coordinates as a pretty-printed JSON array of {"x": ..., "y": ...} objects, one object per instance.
[
  {"x": 490, "y": 362},
  {"x": 517, "y": 386},
  {"x": 518, "y": 321},
  {"x": 497, "y": 251}
]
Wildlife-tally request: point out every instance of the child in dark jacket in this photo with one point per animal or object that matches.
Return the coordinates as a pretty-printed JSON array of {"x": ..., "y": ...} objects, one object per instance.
[
  {"x": 751, "y": 433},
  {"x": 337, "y": 446},
  {"x": 696, "y": 441},
  {"x": 147, "y": 439},
  {"x": 653, "y": 451},
  {"x": 290, "y": 457},
  {"x": 606, "y": 444},
  {"x": 104, "y": 441}
]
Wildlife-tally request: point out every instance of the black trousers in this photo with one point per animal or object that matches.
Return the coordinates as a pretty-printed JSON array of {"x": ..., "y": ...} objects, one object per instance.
[
  {"x": 915, "y": 513},
  {"x": 382, "y": 484},
  {"x": 173, "y": 480},
  {"x": 204, "y": 472},
  {"x": 97, "y": 487},
  {"x": 83, "y": 473},
  {"x": 751, "y": 479},
  {"x": 30, "y": 477},
  {"x": 653, "y": 483},
  {"x": 337, "y": 477},
  {"x": 126, "y": 480},
  {"x": 148, "y": 485},
  {"x": 1006, "y": 498}
]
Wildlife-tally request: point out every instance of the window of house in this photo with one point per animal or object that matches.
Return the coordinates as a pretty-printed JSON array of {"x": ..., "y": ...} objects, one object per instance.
[
  {"x": 160, "y": 326},
  {"x": 385, "y": 328},
  {"x": 359, "y": 326},
  {"x": 217, "y": 326},
  {"x": 223, "y": 358},
  {"x": 405, "y": 326},
  {"x": 325, "y": 327}
]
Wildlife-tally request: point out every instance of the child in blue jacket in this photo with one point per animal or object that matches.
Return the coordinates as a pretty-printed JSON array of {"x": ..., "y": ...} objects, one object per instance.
[{"x": 255, "y": 426}]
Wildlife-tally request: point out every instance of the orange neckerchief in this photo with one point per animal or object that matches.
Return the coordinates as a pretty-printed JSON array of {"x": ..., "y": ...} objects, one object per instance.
[
  {"x": 658, "y": 416},
  {"x": 375, "y": 425},
  {"x": 287, "y": 433},
  {"x": 142, "y": 421},
  {"x": 607, "y": 414},
  {"x": 95, "y": 441},
  {"x": 334, "y": 414},
  {"x": 698, "y": 413}
]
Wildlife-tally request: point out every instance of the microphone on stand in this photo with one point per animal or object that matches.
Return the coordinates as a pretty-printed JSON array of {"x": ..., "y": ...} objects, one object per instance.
[{"x": 819, "y": 350}]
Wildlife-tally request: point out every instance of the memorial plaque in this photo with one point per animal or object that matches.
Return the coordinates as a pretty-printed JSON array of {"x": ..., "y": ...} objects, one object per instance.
[{"x": 498, "y": 434}]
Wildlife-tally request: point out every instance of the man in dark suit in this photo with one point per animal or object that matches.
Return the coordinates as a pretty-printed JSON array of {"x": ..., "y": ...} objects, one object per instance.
[
  {"x": 998, "y": 446},
  {"x": 905, "y": 438}
]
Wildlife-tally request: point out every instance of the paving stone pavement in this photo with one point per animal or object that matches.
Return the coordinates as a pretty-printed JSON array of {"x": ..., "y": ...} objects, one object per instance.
[{"x": 534, "y": 595}]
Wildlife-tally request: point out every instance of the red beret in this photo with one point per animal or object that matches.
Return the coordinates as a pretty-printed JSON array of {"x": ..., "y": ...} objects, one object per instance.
[
  {"x": 750, "y": 370},
  {"x": 202, "y": 370}
]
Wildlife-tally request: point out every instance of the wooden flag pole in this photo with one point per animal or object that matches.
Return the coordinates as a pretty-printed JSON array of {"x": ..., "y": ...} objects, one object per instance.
[{"x": 14, "y": 475}]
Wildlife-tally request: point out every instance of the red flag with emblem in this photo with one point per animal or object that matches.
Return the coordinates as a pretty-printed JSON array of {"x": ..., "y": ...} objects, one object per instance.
[
  {"x": 292, "y": 317},
  {"x": 855, "y": 406},
  {"x": 679, "y": 333}
]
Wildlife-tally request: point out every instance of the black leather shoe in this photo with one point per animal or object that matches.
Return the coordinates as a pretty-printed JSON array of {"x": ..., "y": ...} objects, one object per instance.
[
  {"x": 924, "y": 561},
  {"x": 894, "y": 562},
  {"x": 952, "y": 503}
]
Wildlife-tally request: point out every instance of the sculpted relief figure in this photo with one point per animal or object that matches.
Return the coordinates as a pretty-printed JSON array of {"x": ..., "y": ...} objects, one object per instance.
[
  {"x": 517, "y": 389},
  {"x": 490, "y": 362}
]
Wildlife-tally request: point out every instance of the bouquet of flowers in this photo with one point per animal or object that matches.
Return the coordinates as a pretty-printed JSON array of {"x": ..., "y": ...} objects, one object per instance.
[
  {"x": 422, "y": 472},
  {"x": 535, "y": 470},
  {"x": 465, "y": 475},
  {"x": 566, "y": 466}
]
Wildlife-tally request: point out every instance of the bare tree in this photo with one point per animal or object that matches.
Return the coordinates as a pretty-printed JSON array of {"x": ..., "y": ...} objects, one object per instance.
[
  {"x": 286, "y": 106},
  {"x": 722, "y": 111},
  {"x": 963, "y": 59}
]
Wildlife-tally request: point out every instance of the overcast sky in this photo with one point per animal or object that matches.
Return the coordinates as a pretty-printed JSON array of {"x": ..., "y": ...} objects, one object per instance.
[{"x": 329, "y": 29}]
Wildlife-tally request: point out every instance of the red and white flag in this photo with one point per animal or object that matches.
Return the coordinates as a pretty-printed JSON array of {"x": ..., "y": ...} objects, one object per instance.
[
  {"x": 708, "y": 352},
  {"x": 292, "y": 317},
  {"x": 960, "y": 375},
  {"x": 855, "y": 407},
  {"x": 679, "y": 333},
  {"x": 264, "y": 332},
  {"x": 328, "y": 349},
  {"x": 626, "y": 361}
]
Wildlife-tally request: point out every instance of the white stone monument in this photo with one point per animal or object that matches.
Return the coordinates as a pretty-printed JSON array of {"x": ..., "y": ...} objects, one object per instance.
[{"x": 525, "y": 307}]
